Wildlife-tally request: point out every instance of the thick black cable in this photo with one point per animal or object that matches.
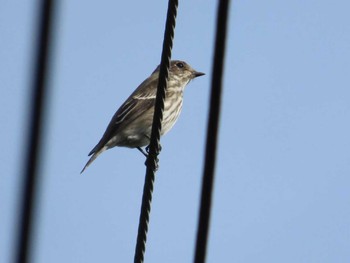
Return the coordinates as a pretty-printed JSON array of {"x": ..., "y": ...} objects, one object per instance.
[
  {"x": 154, "y": 146},
  {"x": 34, "y": 139},
  {"x": 212, "y": 132}
]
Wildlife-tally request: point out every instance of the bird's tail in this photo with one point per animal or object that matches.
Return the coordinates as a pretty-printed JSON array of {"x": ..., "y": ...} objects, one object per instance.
[{"x": 93, "y": 157}]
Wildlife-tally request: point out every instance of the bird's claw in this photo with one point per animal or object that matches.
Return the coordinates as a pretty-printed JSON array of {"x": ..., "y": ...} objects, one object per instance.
[
  {"x": 152, "y": 162},
  {"x": 159, "y": 150}
]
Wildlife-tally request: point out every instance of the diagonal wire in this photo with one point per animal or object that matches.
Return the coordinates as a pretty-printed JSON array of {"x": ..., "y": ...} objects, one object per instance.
[
  {"x": 32, "y": 157},
  {"x": 212, "y": 132},
  {"x": 154, "y": 147}
]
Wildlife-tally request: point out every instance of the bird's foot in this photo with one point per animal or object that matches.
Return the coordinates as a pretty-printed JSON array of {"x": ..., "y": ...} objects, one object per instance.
[
  {"x": 150, "y": 161},
  {"x": 159, "y": 150}
]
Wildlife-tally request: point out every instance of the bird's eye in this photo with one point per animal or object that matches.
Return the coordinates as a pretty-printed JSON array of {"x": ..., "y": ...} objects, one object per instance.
[{"x": 180, "y": 65}]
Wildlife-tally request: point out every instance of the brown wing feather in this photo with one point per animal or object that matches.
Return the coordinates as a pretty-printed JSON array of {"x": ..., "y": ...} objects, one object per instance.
[{"x": 140, "y": 101}]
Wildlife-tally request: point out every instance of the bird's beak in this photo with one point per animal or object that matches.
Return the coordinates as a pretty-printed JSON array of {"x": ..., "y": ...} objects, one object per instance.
[{"x": 197, "y": 74}]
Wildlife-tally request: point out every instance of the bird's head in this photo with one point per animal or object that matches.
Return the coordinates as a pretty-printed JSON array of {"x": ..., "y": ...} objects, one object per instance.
[{"x": 180, "y": 72}]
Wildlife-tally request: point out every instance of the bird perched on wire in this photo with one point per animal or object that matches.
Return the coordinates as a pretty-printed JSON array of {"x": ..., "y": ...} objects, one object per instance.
[{"x": 131, "y": 125}]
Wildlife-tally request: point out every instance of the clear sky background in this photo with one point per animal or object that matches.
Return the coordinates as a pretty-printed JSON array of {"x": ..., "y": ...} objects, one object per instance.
[{"x": 282, "y": 189}]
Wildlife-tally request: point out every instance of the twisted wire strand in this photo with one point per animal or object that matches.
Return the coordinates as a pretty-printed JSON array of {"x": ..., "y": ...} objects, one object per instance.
[
  {"x": 154, "y": 146},
  {"x": 212, "y": 131},
  {"x": 36, "y": 116}
]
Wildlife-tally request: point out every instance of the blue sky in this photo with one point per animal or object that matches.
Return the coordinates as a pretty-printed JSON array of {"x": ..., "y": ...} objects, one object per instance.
[{"x": 282, "y": 178}]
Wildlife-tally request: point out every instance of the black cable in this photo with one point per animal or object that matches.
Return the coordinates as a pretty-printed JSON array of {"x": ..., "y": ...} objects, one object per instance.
[
  {"x": 154, "y": 147},
  {"x": 212, "y": 132},
  {"x": 39, "y": 92}
]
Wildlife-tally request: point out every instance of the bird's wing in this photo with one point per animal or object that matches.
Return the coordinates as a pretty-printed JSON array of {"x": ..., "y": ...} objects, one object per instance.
[{"x": 139, "y": 102}]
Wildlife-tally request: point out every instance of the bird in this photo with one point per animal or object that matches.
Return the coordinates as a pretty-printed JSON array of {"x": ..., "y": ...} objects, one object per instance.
[{"x": 131, "y": 125}]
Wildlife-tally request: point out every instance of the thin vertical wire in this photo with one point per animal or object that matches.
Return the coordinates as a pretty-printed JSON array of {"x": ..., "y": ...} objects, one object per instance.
[
  {"x": 154, "y": 147},
  {"x": 212, "y": 132},
  {"x": 32, "y": 157}
]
